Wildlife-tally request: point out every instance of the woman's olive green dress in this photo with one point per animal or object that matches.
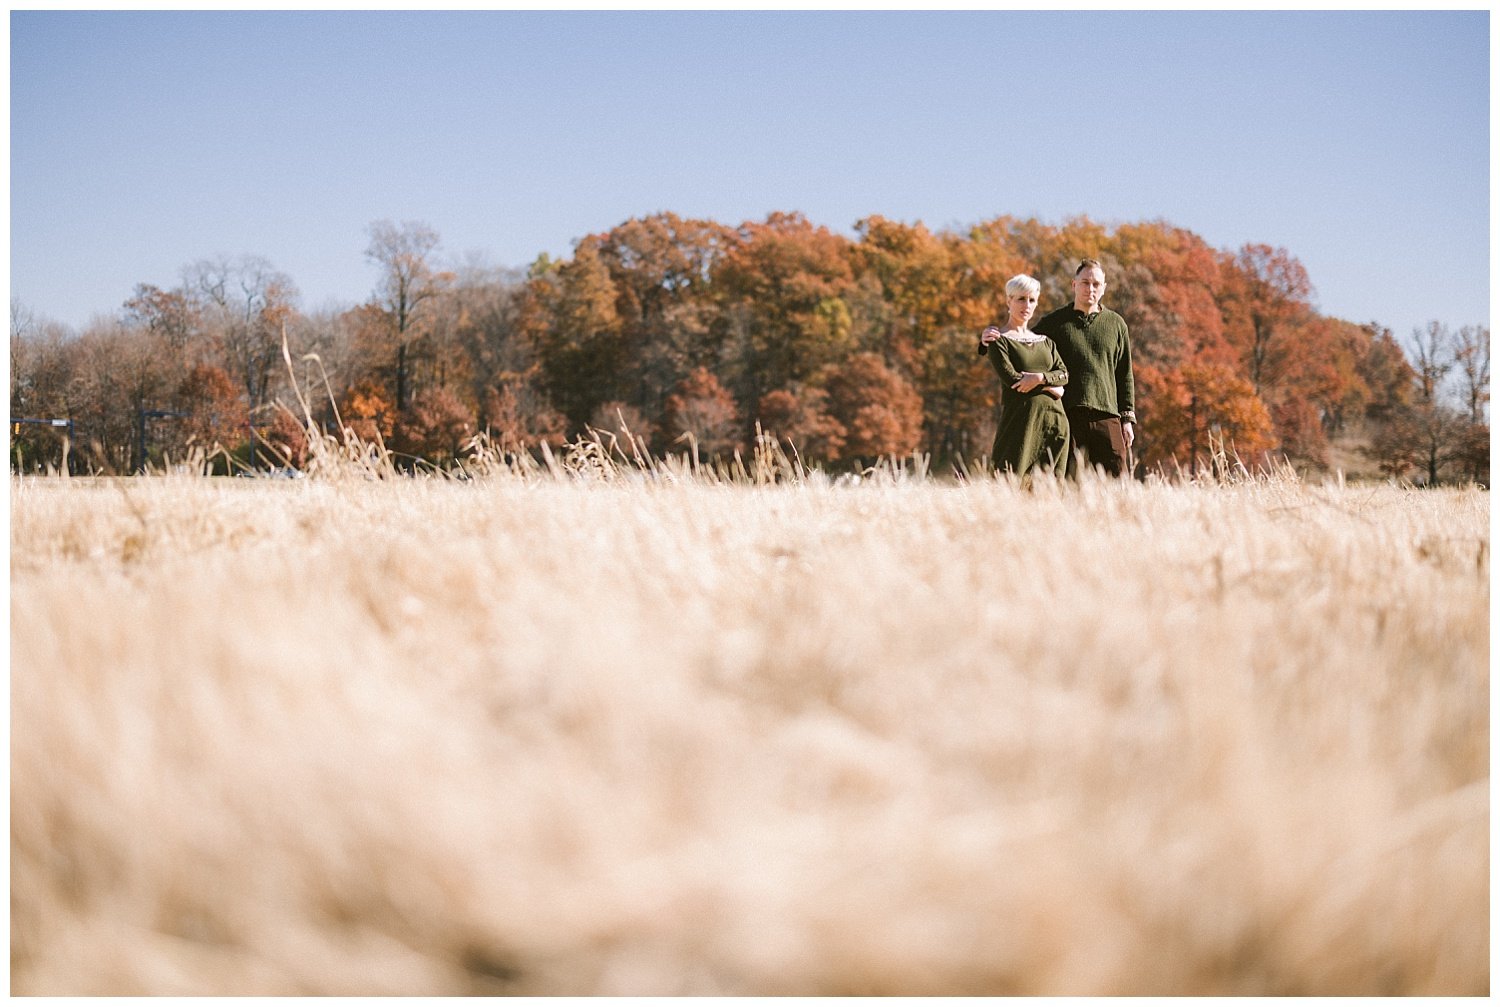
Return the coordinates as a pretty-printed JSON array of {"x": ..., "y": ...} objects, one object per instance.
[{"x": 1033, "y": 433}]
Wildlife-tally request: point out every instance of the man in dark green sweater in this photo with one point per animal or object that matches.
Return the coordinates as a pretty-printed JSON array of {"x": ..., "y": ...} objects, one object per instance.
[{"x": 1099, "y": 398}]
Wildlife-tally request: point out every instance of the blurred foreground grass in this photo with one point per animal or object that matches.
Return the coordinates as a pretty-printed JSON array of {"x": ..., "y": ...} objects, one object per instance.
[{"x": 556, "y": 736}]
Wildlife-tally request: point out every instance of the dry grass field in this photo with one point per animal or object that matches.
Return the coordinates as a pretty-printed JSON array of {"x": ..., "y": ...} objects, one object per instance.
[{"x": 678, "y": 736}]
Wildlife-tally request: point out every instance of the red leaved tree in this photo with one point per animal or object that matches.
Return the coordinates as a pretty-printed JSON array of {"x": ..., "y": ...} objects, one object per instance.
[
  {"x": 286, "y": 439},
  {"x": 880, "y": 411},
  {"x": 799, "y": 417},
  {"x": 435, "y": 427},
  {"x": 624, "y": 422},
  {"x": 701, "y": 411},
  {"x": 518, "y": 416}
]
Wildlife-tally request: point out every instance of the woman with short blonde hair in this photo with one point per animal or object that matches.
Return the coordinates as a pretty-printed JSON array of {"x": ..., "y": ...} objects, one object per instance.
[
  {"x": 1033, "y": 431},
  {"x": 1022, "y": 284}
]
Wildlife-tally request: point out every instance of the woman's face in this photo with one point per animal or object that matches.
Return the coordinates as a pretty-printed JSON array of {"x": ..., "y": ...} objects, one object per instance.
[{"x": 1022, "y": 307}]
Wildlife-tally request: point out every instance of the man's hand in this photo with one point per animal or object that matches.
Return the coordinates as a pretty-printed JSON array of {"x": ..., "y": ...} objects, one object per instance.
[
  {"x": 989, "y": 335},
  {"x": 1029, "y": 380},
  {"x": 1127, "y": 427}
]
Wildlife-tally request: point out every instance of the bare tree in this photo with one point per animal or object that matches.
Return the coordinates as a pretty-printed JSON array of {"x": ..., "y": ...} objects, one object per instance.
[
  {"x": 408, "y": 281},
  {"x": 243, "y": 303},
  {"x": 1471, "y": 352},
  {"x": 1436, "y": 425}
]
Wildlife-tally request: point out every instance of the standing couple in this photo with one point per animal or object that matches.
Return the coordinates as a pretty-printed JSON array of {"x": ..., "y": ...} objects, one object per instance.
[{"x": 1069, "y": 394}]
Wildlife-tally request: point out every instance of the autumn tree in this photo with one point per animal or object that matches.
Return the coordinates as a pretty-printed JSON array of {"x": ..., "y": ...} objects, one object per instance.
[
  {"x": 445, "y": 361},
  {"x": 328, "y": 356},
  {"x": 172, "y": 315},
  {"x": 1387, "y": 374},
  {"x": 1265, "y": 298},
  {"x": 701, "y": 413},
  {"x": 879, "y": 410},
  {"x": 1050, "y": 253},
  {"x": 941, "y": 291},
  {"x": 284, "y": 438},
  {"x": 1435, "y": 424},
  {"x": 958, "y": 399},
  {"x": 487, "y": 302},
  {"x": 1168, "y": 292},
  {"x": 661, "y": 268},
  {"x": 984, "y": 259},
  {"x": 572, "y": 308},
  {"x": 43, "y": 385},
  {"x": 213, "y": 411},
  {"x": 495, "y": 322},
  {"x": 917, "y": 275},
  {"x": 1201, "y": 409},
  {"x": 1424, "y": 429},
  {"x": 120, "y": 373},
  {"x": 624, "y": 423},
  {"x": 41, "y": 365},
  {"x": 435, "y": 427},
  {"x": 1472, "y": 452},
  {"x": 1332, "y": 374},
  {"x": 367, "y": 412},
  {"x": 785, "y": 283},
  {"x": 517, "y": 415},
  {"x": 798, "y": 416},
  {"x": 1471, "y": 357}
]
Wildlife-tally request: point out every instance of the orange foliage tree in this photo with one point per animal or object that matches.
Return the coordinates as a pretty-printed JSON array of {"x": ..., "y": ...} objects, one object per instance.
[
  {"x": 1264, "y": 302},
  {"x": 216, "y": 414},
  {"x": 368, "y": 412},
  {"x": 786, "y": 285},
  {"x": 1200, "y": 409},
  {"x": 941, "y": 291}
]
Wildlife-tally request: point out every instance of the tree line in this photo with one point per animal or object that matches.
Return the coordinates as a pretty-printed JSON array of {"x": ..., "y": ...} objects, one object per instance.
[{"x": 691, "y": 334}]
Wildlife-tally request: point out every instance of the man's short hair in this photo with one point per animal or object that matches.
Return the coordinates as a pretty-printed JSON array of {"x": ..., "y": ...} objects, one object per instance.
[
  {"x": 1021, "y": 283},
  {"x": 1086, "y": 264}
]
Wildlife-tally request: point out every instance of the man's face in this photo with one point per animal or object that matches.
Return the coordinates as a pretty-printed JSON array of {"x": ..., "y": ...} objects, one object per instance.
[{"x": 1088, "y": 288}]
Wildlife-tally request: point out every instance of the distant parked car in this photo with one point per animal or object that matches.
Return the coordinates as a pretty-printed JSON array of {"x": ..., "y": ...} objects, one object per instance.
[{"x": 284, "y": 473}]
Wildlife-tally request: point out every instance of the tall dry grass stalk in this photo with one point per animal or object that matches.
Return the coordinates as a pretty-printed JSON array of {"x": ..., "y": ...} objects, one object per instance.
[{"x": 574, "y": 728}]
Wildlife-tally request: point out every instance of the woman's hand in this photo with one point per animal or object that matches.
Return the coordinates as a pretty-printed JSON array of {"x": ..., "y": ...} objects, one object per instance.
[
  {"x": 1029, "y": 380},
  {"x": 1054, "y": 390}
]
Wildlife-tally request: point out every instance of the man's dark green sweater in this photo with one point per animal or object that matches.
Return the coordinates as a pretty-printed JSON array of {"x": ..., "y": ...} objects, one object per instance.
[{"x": 1096, "y": 350}]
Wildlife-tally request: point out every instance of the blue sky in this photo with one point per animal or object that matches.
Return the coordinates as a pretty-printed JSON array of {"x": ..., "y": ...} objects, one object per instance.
[{"x": 142, "y": 142}]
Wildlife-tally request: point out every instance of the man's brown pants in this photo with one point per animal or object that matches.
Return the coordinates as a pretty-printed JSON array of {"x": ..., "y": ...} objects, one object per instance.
[{"x": 1098, "y": 440}]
